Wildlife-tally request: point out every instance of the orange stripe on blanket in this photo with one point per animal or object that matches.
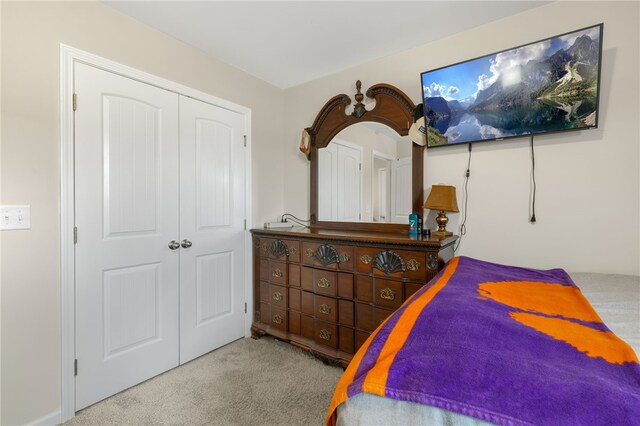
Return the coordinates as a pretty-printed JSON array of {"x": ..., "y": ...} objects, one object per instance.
[
  {"x": 547, "y": 298},
  {"x": 376, "y": 379},
  {"x": 594, "y": 343},
  {"x": 340, "y": 394}
]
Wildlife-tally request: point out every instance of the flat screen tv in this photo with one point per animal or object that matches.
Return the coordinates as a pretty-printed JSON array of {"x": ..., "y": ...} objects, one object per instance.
[{"x": 550, "y": 85}]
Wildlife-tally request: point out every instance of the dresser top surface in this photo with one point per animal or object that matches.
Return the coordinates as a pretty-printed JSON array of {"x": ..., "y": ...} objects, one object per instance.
[{"x": 357, "y": 236}]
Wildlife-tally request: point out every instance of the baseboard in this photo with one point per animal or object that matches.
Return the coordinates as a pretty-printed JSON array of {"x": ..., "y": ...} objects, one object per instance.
[{"x": 50, "y": 419}]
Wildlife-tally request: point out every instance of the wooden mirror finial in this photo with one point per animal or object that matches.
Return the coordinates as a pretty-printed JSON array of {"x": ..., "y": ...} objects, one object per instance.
[{"x": 358, "y": 108}]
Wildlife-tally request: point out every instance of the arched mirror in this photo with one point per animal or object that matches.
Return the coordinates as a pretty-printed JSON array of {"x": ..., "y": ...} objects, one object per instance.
[{"x": 365, "y": 172}]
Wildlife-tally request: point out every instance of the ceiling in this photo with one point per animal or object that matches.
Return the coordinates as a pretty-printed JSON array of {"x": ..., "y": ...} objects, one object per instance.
[{"x": 287, "y": 43}]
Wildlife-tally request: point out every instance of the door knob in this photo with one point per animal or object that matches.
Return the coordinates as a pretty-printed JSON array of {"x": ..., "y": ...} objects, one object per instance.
[
  {"x": 174, "y": 245},
  {"x": 186, "y": 244}
]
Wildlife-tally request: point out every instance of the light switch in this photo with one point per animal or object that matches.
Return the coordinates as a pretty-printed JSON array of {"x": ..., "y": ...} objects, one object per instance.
[{"x": 15, "y": 217}]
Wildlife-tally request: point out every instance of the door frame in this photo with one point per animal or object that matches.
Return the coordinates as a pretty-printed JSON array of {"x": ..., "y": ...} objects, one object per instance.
[
  {"x": 68, "y": 57},
  {"x": 377, "y": 154}
]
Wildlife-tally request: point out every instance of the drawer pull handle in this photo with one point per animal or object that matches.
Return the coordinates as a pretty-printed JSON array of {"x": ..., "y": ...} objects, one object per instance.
[
  {"x": 277, "y": 273},
  {"x": 366, "y": 259},
  {"x": 387, "y": 293},
  {"x": 344, "y": 257},
  {"x": 324, "y": 309},
  {"x": 325, "y": 334},
  {"x": 277, "y": 319},
  {"x": 413, "y": 265},
  {"x": 309, "y": 252},
  {"x": 323, "y": 282},
  {"x": 277, "y": 296},
  {"x": 292, "y": 251}
]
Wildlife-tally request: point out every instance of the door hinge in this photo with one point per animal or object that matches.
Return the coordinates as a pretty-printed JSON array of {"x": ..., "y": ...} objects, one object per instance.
[
  {"x": 245, "y": 307},
  {"x": 75, "y": 102},
  {"x": 75, "y": 235},
  {"x": 245, "y": 224},
  {"x": 75, "y": 367},
  {"x": 245, "y": 141},
  {"x": 360, "y": 166}
]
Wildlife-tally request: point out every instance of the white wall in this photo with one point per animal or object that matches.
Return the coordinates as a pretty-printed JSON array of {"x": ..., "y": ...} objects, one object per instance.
[
  {"x": 31, "y": 34},
  {"x": 588, "y": 198}
]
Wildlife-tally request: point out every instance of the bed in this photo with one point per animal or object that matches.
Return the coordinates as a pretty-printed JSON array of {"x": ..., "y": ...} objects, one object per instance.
[{"x": 492, "y": 344}]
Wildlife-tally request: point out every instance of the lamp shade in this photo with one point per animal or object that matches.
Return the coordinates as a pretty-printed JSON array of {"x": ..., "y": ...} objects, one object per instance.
[{"x": 443, "y": 198}]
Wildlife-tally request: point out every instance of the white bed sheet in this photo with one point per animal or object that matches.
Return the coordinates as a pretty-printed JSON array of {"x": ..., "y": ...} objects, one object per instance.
[{"x": 616, "y": 298}]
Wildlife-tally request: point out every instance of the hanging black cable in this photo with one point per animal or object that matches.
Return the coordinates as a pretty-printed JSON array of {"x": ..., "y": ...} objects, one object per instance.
[
  {"x": 288, "y": 217},
  {"x": 463, "y": 227},
  {"x": 533, "y": 178}
]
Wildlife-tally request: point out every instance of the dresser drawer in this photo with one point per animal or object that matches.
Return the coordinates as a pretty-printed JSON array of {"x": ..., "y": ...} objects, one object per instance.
[
  {"x": 328, "y": 256},
  {"x": 320, "y": 281},
  {"x": 307, "y": 327},
  {"x": 277, "y": 272},
  {"x": 392, "y": 263},
  {"x": 278, "y": 319},
  {"x": 326, "y": 334},
  {"x": 326, "y": 308},
  {"x": 364, "y": 288},
  {"x": 265, "y": 313},
  {"x": 294, "y": 322},
  {"x": 321, "y": 307},
  {"x": 294, "y": 299},
  {"x": 308, "y": 303},
  {"x": 368, "y": 317},
  {"x": 293, "y": 247},
  {"x": 278, "y": 296},
  {"x": 346, "y": 339},
  {"x": 294, "y": 275},
  {"x": 388, "y": 293},
  {"x": 345, "y": 312},
  {"x": 345, "y": 285},
  {"x": 277, "y": 249},
  {"x": 264, "y": 292}
]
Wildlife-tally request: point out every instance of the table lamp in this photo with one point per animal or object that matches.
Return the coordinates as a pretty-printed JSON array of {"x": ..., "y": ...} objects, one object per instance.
[{"x": 442, "y": 198}]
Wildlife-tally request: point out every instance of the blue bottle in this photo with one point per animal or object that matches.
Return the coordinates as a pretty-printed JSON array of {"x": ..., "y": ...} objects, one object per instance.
[{"x": 413, "y": 224}]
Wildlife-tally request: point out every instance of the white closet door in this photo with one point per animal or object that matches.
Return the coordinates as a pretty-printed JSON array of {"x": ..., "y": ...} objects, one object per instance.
[
  {"x": 126, "y": 188},
  {"x": 212, "y": 213}
]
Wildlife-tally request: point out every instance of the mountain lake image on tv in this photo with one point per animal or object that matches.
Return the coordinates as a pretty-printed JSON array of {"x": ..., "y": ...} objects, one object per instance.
[{"x": 548, "y": 86}]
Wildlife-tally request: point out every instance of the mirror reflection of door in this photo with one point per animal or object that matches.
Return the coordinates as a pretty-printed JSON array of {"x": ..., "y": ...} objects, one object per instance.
[
  {"x": 400, "y": 180},
  {"x": 377, "y": 146},
  {"x": 340, "y": 166},
  {"x": 381, "y": 187}
]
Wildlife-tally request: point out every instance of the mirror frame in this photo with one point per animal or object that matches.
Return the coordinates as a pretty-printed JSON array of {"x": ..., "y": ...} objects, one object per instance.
[{"x": 394, "y": 109}]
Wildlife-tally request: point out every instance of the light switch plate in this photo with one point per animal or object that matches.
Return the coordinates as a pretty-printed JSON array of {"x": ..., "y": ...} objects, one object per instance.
[{"x": 15, "y": 217}]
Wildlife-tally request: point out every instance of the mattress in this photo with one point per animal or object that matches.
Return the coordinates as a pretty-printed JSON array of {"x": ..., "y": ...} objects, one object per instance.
[{"x": 616, "y": 298}]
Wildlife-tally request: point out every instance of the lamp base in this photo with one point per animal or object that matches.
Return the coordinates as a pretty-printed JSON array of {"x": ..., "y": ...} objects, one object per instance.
[{"x": 441, "y": 234}]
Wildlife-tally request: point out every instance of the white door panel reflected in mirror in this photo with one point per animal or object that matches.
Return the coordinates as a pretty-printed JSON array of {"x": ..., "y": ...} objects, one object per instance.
[{"x": 364, "y": 175}]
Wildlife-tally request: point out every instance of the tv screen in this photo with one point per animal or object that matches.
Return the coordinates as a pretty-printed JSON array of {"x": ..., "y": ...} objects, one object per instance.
[{"x": 551, "y": 85}]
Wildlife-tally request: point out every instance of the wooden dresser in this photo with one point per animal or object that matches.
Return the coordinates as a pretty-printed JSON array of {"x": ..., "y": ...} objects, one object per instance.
[{"x": 327, "y": 290}]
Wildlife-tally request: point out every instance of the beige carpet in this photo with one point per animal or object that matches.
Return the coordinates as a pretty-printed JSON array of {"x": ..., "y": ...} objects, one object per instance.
[{"x": 248, "y": 382}]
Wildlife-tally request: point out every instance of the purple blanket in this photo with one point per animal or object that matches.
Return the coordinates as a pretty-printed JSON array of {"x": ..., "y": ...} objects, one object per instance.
[{"x": 508, "y": 345}]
